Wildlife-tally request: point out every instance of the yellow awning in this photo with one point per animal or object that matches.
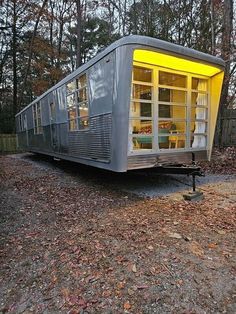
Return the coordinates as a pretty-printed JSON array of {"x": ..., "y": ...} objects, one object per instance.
[{"x": 174, "y": 63}]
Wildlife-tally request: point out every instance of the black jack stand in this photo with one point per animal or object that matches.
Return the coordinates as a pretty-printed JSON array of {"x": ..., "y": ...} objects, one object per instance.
[{"x": 194, "y": 195}]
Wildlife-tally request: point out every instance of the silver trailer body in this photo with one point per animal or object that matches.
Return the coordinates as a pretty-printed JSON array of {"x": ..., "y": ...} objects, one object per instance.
[{"x": 87, "y": 116}]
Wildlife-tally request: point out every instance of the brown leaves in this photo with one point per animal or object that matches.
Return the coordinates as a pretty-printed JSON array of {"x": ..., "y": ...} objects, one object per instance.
[{"x": 223, "y": 161}]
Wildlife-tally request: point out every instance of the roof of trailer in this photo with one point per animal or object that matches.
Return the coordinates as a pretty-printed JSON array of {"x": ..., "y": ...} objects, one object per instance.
[{"x": 138, "y": 40}]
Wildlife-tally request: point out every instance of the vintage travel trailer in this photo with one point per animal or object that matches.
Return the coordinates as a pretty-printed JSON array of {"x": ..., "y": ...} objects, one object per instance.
[{"x": 142, "y": 102}]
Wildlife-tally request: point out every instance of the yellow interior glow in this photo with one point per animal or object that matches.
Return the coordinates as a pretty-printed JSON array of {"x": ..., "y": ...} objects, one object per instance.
[{"x": 174, "y": 63}]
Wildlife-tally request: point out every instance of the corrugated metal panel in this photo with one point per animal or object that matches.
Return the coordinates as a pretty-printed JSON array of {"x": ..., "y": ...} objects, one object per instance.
[
  {"x": 94, "y": 143},
  {"x": 148, "y": 161}
]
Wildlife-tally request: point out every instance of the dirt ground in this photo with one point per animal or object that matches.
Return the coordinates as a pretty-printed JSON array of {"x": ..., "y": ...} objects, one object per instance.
[{"x": 74, "y": 241}]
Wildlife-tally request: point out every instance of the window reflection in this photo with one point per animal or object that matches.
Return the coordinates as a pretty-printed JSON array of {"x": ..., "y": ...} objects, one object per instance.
[
  {"x": 172, "y": 95},
  {"x": 142, "y": 92},
  {"x": 139, "y": 109},
  {"x": 172, "y": 79},
  {"x": 142, "y": 74}
]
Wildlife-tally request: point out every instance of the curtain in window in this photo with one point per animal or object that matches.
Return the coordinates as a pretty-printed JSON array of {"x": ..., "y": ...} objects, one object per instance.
[{"x": 201, "y": 114}]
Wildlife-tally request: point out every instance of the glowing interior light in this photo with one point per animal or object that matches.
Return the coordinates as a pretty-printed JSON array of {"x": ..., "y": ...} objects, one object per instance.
[{"x": 174, "y": 63}]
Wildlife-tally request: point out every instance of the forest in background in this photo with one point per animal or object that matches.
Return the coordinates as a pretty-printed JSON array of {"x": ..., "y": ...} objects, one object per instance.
[{"x": 42, "y": 41}]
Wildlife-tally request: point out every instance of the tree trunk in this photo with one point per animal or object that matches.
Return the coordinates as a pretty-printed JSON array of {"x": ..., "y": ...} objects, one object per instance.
[
  {"x": 213, "y": 44},
  {"x": 14, "y": 61},
  {"x": 79, "y": 33},
  {"x": 227, "y": 30},
  {"x": 135, "y": 18}
]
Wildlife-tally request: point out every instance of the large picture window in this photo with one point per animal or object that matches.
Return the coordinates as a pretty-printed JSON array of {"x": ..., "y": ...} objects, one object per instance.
[
  {"x": 77, "y": 104},
  {"x": 168, "y": 109},
  {"x": 37, "y": 118}
]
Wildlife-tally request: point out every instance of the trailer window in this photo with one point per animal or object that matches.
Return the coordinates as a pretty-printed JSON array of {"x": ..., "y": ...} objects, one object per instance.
[
  {"x": 77, "y": 104},
  {"x": 199, "y": 113},
  {"x": 37, "y": 118},
  {"x": 82, "y": 101},
  {"x": 70, "y": 87},
  {"x": 172, "y": 79},
  {"x": 142, "y": 74},
  {"x": 141, "y": 110}
]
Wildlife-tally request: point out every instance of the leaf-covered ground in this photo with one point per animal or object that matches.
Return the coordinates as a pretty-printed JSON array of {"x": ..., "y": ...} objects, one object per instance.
[{"x": 71, "y": 243}]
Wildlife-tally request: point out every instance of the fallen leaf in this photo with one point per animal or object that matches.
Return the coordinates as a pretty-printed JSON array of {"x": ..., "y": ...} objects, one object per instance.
[
  {"x": 187, "y": 238},
  {"x": 140, "y": 287},
  {"x": 130, "y": 291},
  {"x": 121, "y": 285},
  {"x": 221, "y": 232},
  {"x": 175, "y": 235},
  {"x": 106, "y": 293},
  {"x": 196, "y": 248},
  {"x": 74, "y": 312},
  {"x": 65, "y": 293},
  {"x": 134, "y": 268},
  {"x": 54, "y": 278},
  {"x": 127, "y": 305},
  {"x": 212, "y": 245},
  {"x": 179, "y": 282}
]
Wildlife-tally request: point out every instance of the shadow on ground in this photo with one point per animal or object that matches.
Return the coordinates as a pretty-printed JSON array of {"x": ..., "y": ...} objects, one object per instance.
[{"x": 144, "y": 182}]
